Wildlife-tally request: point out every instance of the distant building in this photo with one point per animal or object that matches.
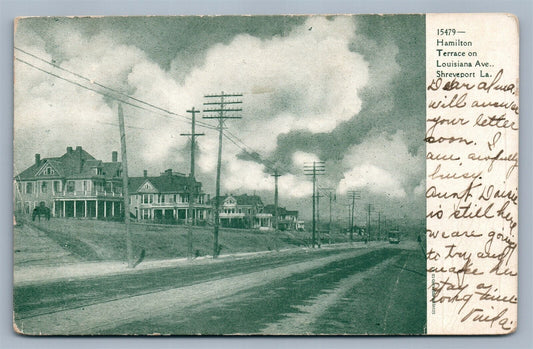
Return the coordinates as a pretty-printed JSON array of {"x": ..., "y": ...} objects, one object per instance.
[
  {"x": 72, "y": 185},
  {"x": 243, "y": 211},
  {"x": 165, "y": 199},
  {"x": 287, "y": 220}
]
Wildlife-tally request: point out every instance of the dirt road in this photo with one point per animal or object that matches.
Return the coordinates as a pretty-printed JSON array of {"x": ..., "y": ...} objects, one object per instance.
[{"x": 376, "y": 289}]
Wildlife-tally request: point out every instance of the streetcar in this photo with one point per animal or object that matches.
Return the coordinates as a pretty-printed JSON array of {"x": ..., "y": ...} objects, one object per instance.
[{"x": 394, "y": 237}]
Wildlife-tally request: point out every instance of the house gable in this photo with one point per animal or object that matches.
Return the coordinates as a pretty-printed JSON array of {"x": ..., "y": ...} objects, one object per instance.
[
  {"x": 147, "y": 187},
  {"x": 230, "y": 201},
  {"x": 47, "y": 169}
]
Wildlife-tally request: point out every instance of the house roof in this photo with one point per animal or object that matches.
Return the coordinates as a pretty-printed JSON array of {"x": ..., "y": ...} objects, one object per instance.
[
  {"x": 165, "y": 183},
  {"x": 243, "y": 200},
  {"x": 282, "y": 211},
  {"x": 74, "y": 164}
]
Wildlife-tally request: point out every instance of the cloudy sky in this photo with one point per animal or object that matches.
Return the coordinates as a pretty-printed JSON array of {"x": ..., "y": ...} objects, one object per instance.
[{"x": 345, "y": 90}]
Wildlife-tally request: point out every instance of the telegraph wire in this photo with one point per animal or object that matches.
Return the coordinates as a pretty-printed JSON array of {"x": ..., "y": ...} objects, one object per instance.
[
  {"x": 227, "y": 134},
  {"x": 203, "y": 124}
]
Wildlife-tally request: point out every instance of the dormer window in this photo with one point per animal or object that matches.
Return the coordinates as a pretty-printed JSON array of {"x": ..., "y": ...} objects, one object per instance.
[{"x": 49, "y": 171}]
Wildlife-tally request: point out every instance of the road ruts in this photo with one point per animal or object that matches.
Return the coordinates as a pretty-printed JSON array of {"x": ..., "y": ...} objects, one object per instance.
[
  {"x": 98, "y": 317},
  {"x": 43, "y": 298},
  {"x": 302, "y": 303}
]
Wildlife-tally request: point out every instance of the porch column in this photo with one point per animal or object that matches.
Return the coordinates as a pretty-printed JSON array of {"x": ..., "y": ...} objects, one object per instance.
[
  {"x": 53, "y": 208},
  {"x": 74, "y": 208},
  {"x": 85, "y": 207},
  {"x": 64, "y": 209},
  {"x": 96, "y": 215},
  {"x": 112, "y": 209},
  {"x": 105, "y": 209}
]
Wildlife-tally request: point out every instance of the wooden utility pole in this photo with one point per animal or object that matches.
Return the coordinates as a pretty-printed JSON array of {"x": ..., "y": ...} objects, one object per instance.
[
  {"x": 317, "y": 168},
  {"x": 318, "y": 218},
  {"x": 349, "y": 215},
  {"x": 276, "y": 175},
  {"x": 369, "y": 207},
  {"x": 385, "y": 227},
  {"x": 331, "y": 198},
  {"x": 129, "y": 249},
  {"x": 379, "y": 226},
  {"x": 329, "y": 225},
  {"x": 355, "y": 195},
  {"x": 192, "y": 180},
  {"x": 220, "y": 114}
]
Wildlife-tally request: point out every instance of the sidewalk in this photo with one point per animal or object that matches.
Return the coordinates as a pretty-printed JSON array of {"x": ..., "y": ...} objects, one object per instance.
[{"x": 41, "y": 274}]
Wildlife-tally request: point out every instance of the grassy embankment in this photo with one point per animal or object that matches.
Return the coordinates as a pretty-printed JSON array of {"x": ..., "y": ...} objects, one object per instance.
[{"x": 93, "y": 240}]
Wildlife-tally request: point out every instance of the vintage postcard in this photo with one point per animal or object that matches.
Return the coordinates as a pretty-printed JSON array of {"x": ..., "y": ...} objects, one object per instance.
[{"x": 266, "y": 175}]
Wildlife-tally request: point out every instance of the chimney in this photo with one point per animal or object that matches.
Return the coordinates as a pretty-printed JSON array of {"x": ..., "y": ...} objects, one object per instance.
[
  {"x": 78, "y": 149},
  {"x": 37, "y": 159},
  {"x": 114, "y": 156},
  {"x": 69, "y": 150},
  {"x": 145, "y": 172}
]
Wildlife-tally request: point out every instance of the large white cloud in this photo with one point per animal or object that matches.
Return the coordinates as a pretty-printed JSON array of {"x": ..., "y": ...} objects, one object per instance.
[
  {"x": 376, "y": 179},
  {"x": 308, "y": 79},
  {"x": 383, "y": 165},
  {"x": 301, "y": 159}
]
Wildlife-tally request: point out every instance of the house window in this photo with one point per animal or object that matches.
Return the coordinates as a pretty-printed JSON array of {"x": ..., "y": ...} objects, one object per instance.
[
  {"x": 44, "y": 187},
  {"x": 162, "y": 199},
  {"x": 146, "y": 214},
  {"x": 71, "y": 186},
  {"x": 85, "y": 185},
  {"x": 57, "y": 186},
  {"x": 148, "y": 198},
  {"x": 29, "y": 188},
  {"x": 49, "y": 171}
]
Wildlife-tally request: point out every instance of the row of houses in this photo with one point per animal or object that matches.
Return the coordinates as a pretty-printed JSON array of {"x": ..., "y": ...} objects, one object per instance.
[{"x": 76, "y": 185}]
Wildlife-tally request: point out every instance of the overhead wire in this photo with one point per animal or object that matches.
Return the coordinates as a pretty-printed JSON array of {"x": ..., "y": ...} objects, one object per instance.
[
  {"x": 202, "y": 124},
  {"x": 227, "y": 134}
]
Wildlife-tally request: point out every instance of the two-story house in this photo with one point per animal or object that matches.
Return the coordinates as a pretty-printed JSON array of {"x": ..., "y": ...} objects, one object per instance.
[
  {"x": 243, "y": 211},
  {"x": 165, "y": 199},
  {"x": 72, "y": 185},
  {"x": 287, "y": 220}
]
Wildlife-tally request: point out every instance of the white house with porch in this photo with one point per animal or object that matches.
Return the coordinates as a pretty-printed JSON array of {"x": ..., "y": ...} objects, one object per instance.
[
  {"x": 165, "y": 199},
  {"x": 74, "y": 185},
  {"x": 243, "y": 211}
]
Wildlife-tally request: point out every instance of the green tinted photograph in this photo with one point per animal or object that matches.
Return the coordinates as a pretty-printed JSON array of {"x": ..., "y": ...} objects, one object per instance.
[{"x": 219, "y": 175}]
